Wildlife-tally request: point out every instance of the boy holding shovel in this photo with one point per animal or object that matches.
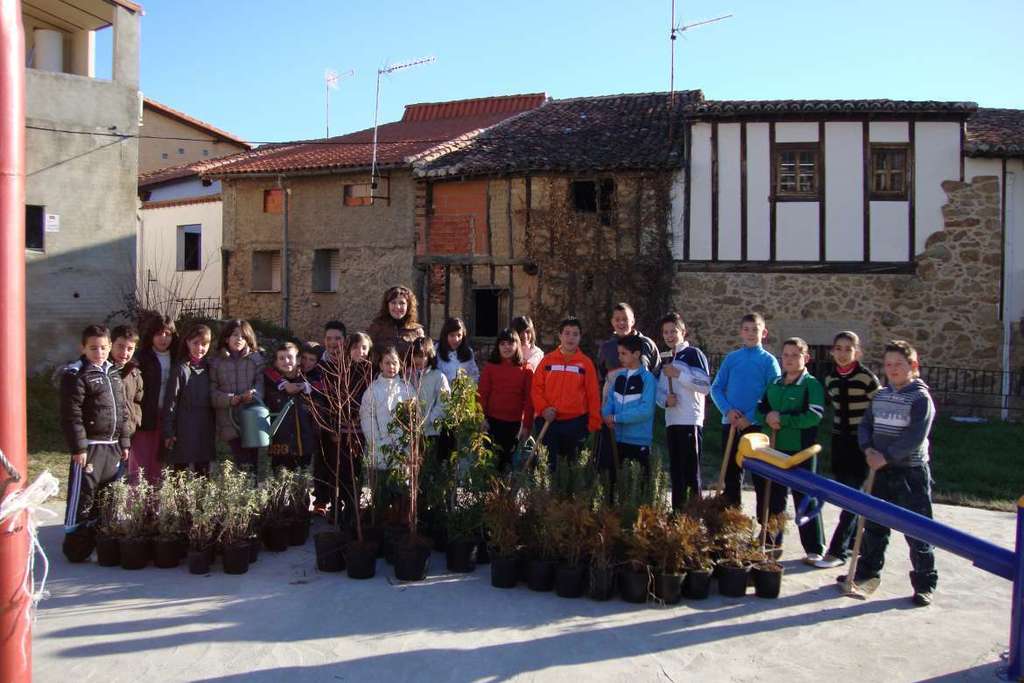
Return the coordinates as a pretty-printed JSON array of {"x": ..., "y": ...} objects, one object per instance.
[{"x": 628, "y": 409}]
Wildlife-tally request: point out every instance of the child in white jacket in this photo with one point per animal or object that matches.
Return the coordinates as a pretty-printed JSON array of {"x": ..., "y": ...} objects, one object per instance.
[
  {"x": 378, "y": 407},
  {"x": 429, "y": 384},
  {"x": 682, "y": 386},
  {"x": 454, "y": 351}
]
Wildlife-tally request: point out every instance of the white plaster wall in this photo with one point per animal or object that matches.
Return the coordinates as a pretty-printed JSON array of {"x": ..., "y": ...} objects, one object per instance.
[
  {"x": 844, "y": 192},
  {"x": 758, "y": 189},
  {"x": 677, "y": 197},
  {"x": 191, "y": 187},
  {"x": 729, "y": 192},
  {"x": 796, "y": 225},
  {"x": 889, "y": 231},
  {"x": 158, "y": 251},
  {"x": 977, "y": 167},
  {"x": 1014, "y": 273},
  {"x": 700, "y": 193},
  {"x": 804, "y": 131},
  {"x": 936, "y": 158},
  {"x": 889, "y": 131}
]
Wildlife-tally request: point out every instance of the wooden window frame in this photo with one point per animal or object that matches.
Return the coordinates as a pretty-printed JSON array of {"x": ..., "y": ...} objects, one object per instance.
[
  {"x": 333, "y": 271},
  {"x": 779, "y": 195},
  {"x": 908, "y": 165},
  {"x": 182, "y": 238},
  {"x": 349, "y": 199},
  {"x": 605, "y": 189}
]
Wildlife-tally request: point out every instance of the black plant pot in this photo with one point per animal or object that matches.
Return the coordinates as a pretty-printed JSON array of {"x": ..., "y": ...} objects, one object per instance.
[
  {"x": 254, "y": 549},
  {"x": 523, "y": 567},
  {"x": 634, "y": 584},
  {"x": 483, "y": 553},
  {"x": 440, "y": 540},
  {"x": 697, "y": 584},
  {"x": 361, "y": 560},
  {"x": 236, "y": 557},
  {"x": 277, "y": 535},
  {"x": 298, "y": 530},
  {"x": 134, "y": 553},
  {"x": 732, "y": 581},
  {"x": 570, "y": 580},
  {"x": 329, "y": 551},
  {"x": 199, "y": 562},
  {"x": 108, "y": 551},
  {"x": 166, "y": 553},
  {"x": 768, "y": 581},
  {"x": 602, "y": 583},
  {"x": 540, "y": 575},
  {"x": 504, "y": 572},
  {"x": 461, "y": 556},
  {"x": 182, "y": 548},
  {"x": 668, "y": 588},
  {"x": 411, "y": 561}
]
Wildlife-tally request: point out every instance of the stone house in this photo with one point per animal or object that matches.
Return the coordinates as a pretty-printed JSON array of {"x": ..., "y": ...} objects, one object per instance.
[
  {"x": 308, "y": 238},
  {"x": 173, "y": 138},
  {"x": 81, "y": 162}
]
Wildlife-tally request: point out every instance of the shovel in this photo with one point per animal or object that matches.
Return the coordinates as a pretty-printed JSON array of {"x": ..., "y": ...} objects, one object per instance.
[
  {"x": 720, "y": 484},
  {"x": 536, "y": 442},
  {"x": 848, "y": 587}
]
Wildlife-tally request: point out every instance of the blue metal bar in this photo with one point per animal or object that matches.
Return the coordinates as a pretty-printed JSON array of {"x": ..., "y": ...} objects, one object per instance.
[
  {"x": 988, "y": 556},
  {"x": 1015, "y": 671}
]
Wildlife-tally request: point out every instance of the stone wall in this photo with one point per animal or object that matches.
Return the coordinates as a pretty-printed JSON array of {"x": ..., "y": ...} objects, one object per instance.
[{"x": 948, "y": 308}]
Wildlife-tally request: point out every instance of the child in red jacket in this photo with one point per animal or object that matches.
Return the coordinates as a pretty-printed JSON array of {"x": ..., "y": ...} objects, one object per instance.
[{"x": 504, "y": 393}]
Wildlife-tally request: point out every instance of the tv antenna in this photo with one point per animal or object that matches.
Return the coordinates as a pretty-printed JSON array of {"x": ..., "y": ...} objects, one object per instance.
[
  {"x": 676, "y": 30},
  {"x": 331, "y": 80},
  {"x": 391, "y": 68}
]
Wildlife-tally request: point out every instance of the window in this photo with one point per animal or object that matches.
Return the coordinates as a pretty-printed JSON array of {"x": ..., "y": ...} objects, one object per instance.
[
  {"x": 360, "y": 194},
  {"x": 273, "y": 201},
  {"x": 490, "y": 311},
  {"x": 593, "y": 196},
  {"x": 35, "y": 222},
  {"x": 190, "y": 247},
  {"x": 266, "y": 271},
  {"x": 206, "y": 152},
  {"x": 181, "y": 150},
  {"x": 326, "y": 270},
  {"x": 890, "y": 172},
  {"x": 796, "y": 171},
  {"x": 163, "y": 155}
]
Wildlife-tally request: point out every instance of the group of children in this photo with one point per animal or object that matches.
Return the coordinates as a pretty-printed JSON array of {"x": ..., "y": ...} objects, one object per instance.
[{"x": 167, "y": 405}]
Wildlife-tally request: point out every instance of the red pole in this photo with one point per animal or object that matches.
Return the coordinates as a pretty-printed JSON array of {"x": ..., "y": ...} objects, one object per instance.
[{"x": 14, "y": 628}]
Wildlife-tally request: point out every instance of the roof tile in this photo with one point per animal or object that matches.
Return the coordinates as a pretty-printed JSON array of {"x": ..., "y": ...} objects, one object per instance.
[{"x": 996, "y": 133}]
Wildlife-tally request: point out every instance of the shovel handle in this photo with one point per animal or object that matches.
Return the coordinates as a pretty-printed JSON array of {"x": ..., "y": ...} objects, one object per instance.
[
  {"x": 720, "y": 484},
  {"x": 540, "y": 440},
  {"x": 848, "y": 586}
]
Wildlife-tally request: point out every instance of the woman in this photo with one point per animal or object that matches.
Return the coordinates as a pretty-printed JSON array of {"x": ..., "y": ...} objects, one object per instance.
[{"x": 396, "y": 323}]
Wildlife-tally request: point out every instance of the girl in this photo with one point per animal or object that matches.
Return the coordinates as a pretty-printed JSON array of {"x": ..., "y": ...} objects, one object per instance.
[
  {"x": 296, "y": 438},
  {"x": 454, "y": 352},
  {"x": 396, "y": 323},
  {"x": 236, "y": 378},
  {"x": 188, "y": 425},
  {"x": 532, "y": 354},
  {"x": 505, "y": 396},
  {"x": 430, "y": 385},
  {"x": 158, "y": 338},
  {"x": 378, "y": 406}
]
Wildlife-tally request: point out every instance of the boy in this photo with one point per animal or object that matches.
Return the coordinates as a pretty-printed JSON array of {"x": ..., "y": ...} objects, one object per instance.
[
  {"x": 92, "y": 416},
  {"x": 122, "y": 350},
  {"x": 738, "y": 386},
  {"x": 792, "y": 408},
  {"x": 565, "y": 393},
  {"x": 894, "y": 436},
  {"x": 332, "y": 359},
  {"x": 682, "y": 386},
  {"x": 850, "y": 388},
  {"x": 628, "y": 409}
]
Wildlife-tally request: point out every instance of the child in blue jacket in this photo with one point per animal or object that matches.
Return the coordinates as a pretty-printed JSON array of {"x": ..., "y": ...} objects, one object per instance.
[{"x": 628, "y": 408}]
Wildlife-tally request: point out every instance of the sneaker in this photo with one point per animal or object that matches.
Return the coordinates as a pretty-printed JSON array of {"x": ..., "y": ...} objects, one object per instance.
[
  {"x": 812, "y": 559},
  {"x": 829, "y": 562},
  {"x": 922, "y": 599}
]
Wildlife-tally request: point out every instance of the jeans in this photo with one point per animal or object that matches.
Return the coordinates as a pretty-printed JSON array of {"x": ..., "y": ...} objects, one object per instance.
[
  {"x": 733, "y": 472},
  {"x": 684, "y": 448},
  {"x": 564, "y": 438}
]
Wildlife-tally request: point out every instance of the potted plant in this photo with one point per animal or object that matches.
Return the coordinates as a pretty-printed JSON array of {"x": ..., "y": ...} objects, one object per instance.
[
  {"x": 169, "y": 521},
  {"x": 138, "y": 525},
  {"x": 602, "y": 545},
  {"x": 539, "y": 531},
  {"x": 671, "y": 536},
  {"x": 697, "y": 559},
  {"x": 113, "y": 509},
  {"x": 298, "y": 509},
  {"x": 635, "y": 575},
  {"x": 572, "y": 522},
  {"x": 767, "y": 571},
  {"x": 238, "y": 509},
  {"x": 735, "y": 543},
  {"x": 411, "y": 551},
  {"x": 204, "y": 504},
  {"x": 279, "y": 495},
  {"x": 501, "y": 516}
]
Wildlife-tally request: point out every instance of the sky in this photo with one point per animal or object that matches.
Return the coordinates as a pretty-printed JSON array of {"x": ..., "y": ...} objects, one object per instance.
[{"x": 256, "y": 68}]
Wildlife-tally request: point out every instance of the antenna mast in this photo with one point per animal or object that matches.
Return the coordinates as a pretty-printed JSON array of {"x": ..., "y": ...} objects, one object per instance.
[
  {"x": 672, "y": 39},
  {"x": 331, "y": 80},
  {"x": 376, "y": 109}
]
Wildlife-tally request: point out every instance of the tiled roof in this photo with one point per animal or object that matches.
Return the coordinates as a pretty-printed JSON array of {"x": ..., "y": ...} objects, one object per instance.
[
  {"x": 423, "y": 128},
  {"x": 628, "y": 131},
  {"x": 743, "y": 108},
  {"x": 996, "y": 133},
  {"x": 194, "y": 122},
  {"x": 163, "y": 175},
  {"x": 181, "y": 201}
]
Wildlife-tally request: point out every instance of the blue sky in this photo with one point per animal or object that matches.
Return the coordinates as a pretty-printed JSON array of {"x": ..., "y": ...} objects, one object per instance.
[{"x": 255, "y": 67}]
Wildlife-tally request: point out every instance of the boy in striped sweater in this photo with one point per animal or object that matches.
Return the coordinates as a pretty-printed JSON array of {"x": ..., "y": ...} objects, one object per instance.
[
  {"x": 792, "y": 408},
  {"x": 850, "y": 387},
  {"x": 894, "y": 436}
]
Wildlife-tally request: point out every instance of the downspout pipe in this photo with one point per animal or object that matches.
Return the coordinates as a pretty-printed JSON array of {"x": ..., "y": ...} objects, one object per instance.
[
  {"x": 285, "y": 191},
  {"x": 15, "y": 629}
]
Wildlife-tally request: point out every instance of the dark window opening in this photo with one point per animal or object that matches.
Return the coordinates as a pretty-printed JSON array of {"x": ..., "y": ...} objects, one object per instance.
[
  {"x": 584, "y": 196},
  {"x": 190, "y": 256},
  {"x": 35, "y": 221},
  {"x": 490, "y": 311}
]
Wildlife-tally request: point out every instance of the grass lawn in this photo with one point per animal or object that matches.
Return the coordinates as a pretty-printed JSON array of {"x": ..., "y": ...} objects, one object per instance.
[{"x": 972, "y": 464}]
